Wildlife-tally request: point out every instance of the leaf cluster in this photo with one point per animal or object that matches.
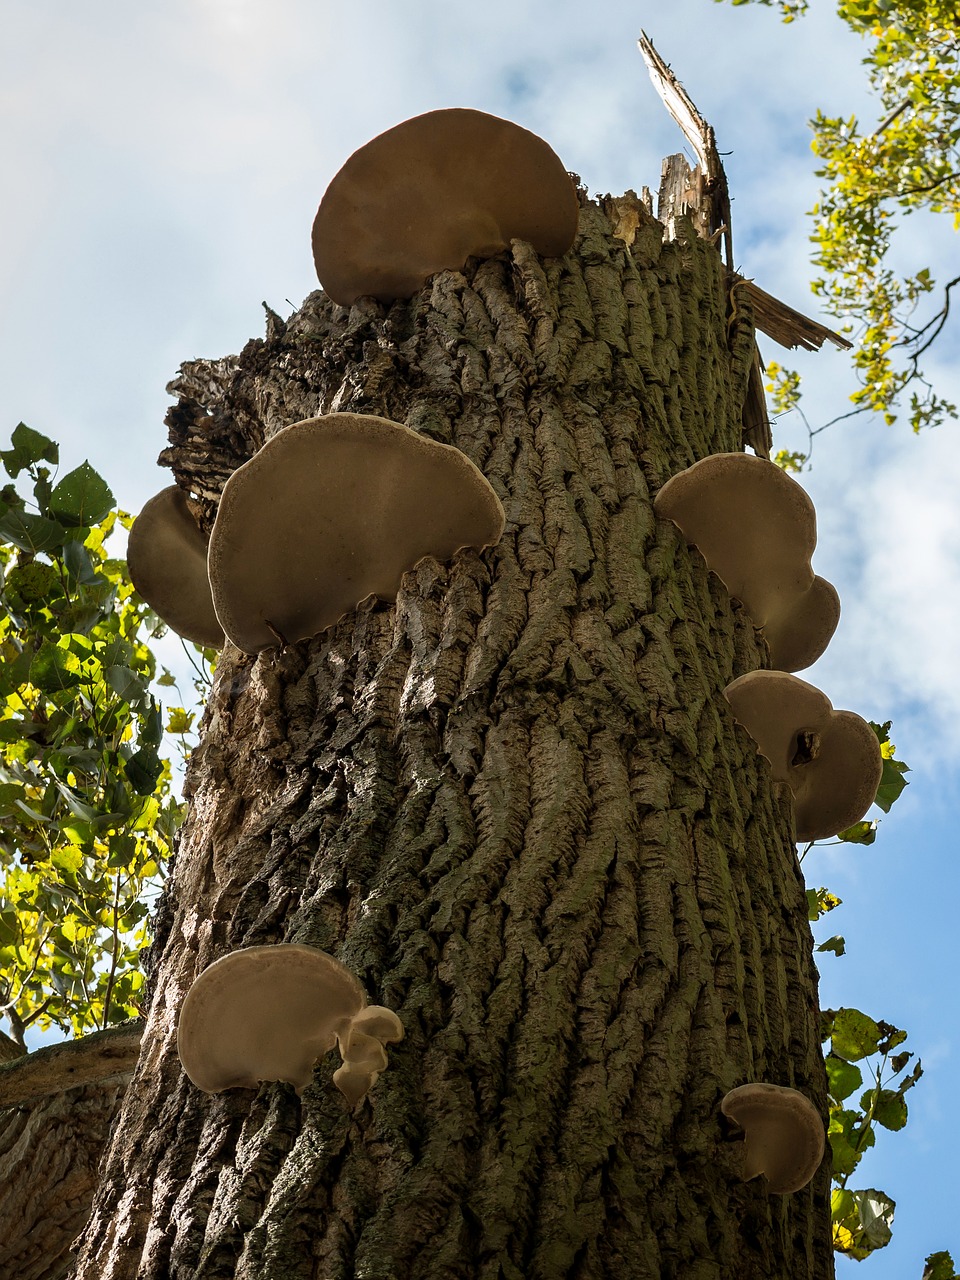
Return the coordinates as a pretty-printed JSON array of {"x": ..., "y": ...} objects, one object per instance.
[
  {"x": 862, "y": 1220},
  {"x": 862, "y": 1050},
  {"x": 874, "y": 175},
  {"x": 86, "y": 815}
]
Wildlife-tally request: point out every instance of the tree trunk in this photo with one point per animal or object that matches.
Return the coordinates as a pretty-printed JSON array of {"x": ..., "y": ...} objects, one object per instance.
[{"x": 515, "y": 804}]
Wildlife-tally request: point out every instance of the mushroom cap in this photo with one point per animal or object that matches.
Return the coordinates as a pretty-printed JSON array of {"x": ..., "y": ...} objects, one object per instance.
[
  {"x": 783, "y": 1134},
  {"x": 830, "y": 759},
  {"x": 167, "y": 559},
  {"x": 433, "y": 191},
  {"x": 757, "y": 529},
  {"x": 265, "y": 1013},
  {"x": 333, "y": 510}
]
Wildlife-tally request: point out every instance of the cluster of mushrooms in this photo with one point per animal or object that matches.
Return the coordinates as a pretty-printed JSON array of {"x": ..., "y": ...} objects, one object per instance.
[{"x": 335, "y": 509}]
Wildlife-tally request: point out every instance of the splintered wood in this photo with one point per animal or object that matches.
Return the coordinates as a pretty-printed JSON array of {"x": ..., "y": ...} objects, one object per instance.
[{"x": 700, "y": 194}]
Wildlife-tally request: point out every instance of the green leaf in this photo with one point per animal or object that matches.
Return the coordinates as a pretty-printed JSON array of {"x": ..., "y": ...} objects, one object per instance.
[
  {"x": 76, "y": 559},
  {"x": 859, "y": 833},
  {"x": 855, "y": 1035},
  {"x": 939, "y": 1266},
  {"x": 820, "y": 901},
  {"x": 30, "y": 532},
  {"x": 82, "y": 497},
  {"x": 892, "y": 781},
  {"x": 842, "y": 1077},
  {"x": 891, "y": 785},
  {"x": 835, "y": 944},
  {"x": 126, "y": 684},
  {"x": 862, "y": 1222},
  {"x": 67, "y": 858},
  {"x": 889, "y": 1108},
  {"x": 29, "y": 446},
  {"x": 143, "y": 769},
  {"x": 51, "y": 670}
]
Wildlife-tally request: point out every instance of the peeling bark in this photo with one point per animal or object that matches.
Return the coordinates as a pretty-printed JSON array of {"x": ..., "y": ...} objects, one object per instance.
[{"x": 515, "y": 804}]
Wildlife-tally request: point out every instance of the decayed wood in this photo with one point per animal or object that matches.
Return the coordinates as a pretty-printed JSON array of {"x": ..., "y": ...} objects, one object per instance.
[
  {"x": 56, "y": 1108},
  {"x": 515, "y": 803},
  {"x": 785, "y": 325},
  {"x": 57, "y": 1067},
  {"x": 704, "y": 188},
  {"x": 756, "y": 422}
]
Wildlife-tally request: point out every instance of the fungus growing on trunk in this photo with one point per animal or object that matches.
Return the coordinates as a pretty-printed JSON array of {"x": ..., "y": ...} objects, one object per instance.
[
  {"x": 167, "y": 559},
  {"x": 830, "y": 759},
  {"x": 268, "y": 1013},
  {"x": 757, "y": 529},
  {"x": 783, "y": 1136},
  {"x": 333, "y": 510},
  {"x": 433, "y": 191}
]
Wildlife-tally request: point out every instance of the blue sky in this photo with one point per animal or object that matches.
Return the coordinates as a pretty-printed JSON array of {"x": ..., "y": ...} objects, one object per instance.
[{"x": 161, "y": 166}]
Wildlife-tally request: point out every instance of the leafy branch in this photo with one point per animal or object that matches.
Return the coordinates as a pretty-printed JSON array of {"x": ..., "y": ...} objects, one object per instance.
[{"x": 86, "y": 815}]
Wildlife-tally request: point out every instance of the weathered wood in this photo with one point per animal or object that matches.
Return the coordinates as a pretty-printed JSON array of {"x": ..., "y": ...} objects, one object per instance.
[
  {"x": 515, "y": 803},
  {"x": 56, "y": 1108},
  {"x": 707, "y": 195},
  {"x": 57, "y": 1067},
  {"x": 785, "y": 325}
]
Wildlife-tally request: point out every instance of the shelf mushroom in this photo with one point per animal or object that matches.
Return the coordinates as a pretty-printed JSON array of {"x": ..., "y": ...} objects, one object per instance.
[
  {"x": 757, "y": 529},
  {"x": 830, "y": 759},
  {"x": 783, "y": 1135},
  {"x": 433, "y": 191},
  {"x": 167, "y": 559},
  {"x": 333, "y": 510},
  {"x": 268, "y": 1013}
]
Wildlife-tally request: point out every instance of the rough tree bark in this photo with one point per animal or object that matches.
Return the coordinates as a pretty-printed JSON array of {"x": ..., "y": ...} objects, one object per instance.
[
  {"x": 515, "y": 804},
  {"x": 56, "y": 1108}
]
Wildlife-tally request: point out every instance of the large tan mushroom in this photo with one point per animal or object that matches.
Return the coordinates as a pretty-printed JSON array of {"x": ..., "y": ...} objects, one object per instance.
[
  {"x": 333, "y": 510},
  {"x": 167, "y": 559},
  {"x": 757, "y": 529},
  {"x": 268, "y": 1013},
  {"x": 783, "y": 1135},
  {"x": 433, "y": 191},
  {"x": 830, "y": 759}
]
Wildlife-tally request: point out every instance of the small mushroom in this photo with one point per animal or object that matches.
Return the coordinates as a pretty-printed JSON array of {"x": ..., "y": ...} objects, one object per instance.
[
  {"x": 433, "y": 191},
  {"x": 757, "y": 529},
  {"x": 783, "y": 1136},
  {"x": 167, "y": 559},
  {"x": 268, "y": 1013},
  {"x": 830, "y": 759},
  {"x": 333, "y": 510}
]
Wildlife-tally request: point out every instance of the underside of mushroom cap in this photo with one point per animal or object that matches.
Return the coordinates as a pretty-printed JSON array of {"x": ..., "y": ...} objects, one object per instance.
[
  {"x": 331, "y": 511},
  {"x": 757, "y": 529},
  {"x": 783, "y": 1134},
  {"x": 830, "y": 759},
  {"x": 167, "y": 559},
  {"x": 265, "y": 1013},
  {"x": 433, "y": 191}
]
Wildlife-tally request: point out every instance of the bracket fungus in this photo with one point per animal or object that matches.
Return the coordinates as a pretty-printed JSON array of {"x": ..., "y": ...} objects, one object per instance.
[
  {"x": 333, "y": 510},
  {"x": 830, "y": 759},
  {"x": 268, "y": 1013},
  {"x": 783, "y": 1136},
  {"x": 433, "y": 191},
  {"x": 167, "y": 559},
  {"x": 757, "y": 529}
]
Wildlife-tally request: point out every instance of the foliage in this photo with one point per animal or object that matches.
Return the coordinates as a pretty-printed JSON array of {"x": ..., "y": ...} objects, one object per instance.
[
  {"x": 86, "y": 815},
  {"x": 862, "y": 1220},
  {"x": 908, "y": 161},
  {"x": 939, "y": 1266}
]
